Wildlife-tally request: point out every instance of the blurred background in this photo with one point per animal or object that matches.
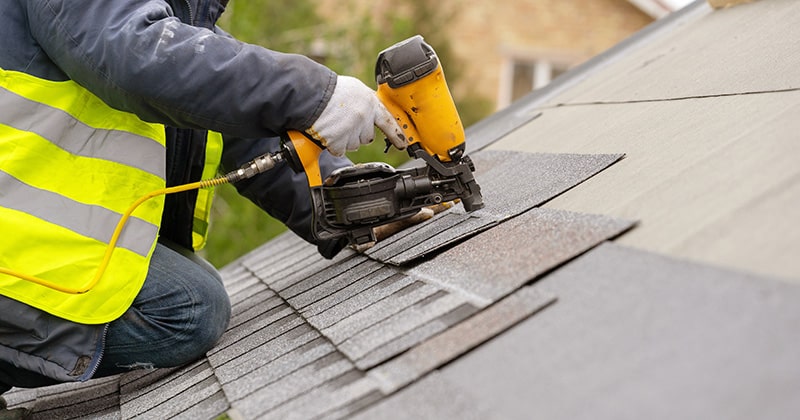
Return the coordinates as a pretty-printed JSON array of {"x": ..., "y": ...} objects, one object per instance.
[{"x": 493, "y": 53}]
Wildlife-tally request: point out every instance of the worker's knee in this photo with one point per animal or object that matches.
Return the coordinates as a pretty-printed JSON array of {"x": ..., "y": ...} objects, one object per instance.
[
  {"x": 211, "y": 313},
  {"x": 180, "y": 313},
  {"x": 201, "y": 318}
]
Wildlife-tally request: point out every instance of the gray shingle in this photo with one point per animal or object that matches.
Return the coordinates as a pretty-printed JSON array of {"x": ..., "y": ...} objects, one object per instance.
[
  {"x": 170, "y": 395},
  {"x": 281, "y": 246},
  {"x": 20, "y": 397},
  {"x": 640, "y": 335},
  {"x": 288, "y": 387},
  {"x": 277, "y": 367},
  {"x": 335, "y": 399},
  {"x": 261, "y": 333},
  {"x": 272, "y": 310},
  {"x": 273, "y": 267},
  {"x": 513, "y": 182},
  {"x": 246, "y": 294},
  {"x": 362, "y": 300},
  {"x": 98, "y": 398},
  {"x": 413, "y": 235},
  {"x": 467, "y": 226},
  {"x": 265, "y": 353},
  {"x": 204, "y": 399},
  {"x": 518, "y": 250},
  {"x": 209, "y": 408},
  {"x": 135, "y": 380},
  {"x": 424, "y": 401},
  {"x": 404, "y": 341},
  {"x": 459, "y": 339},
  {"x": 351, "y": 291},
  {"x": 378, "y": 311},
  {"x": 430, "y": 235},
  {"x": 328, "y": 282},
  {"x": 260, "y": 300},
  {"x": 424, "y": 313},
  {"x": 236, "y": 278}
]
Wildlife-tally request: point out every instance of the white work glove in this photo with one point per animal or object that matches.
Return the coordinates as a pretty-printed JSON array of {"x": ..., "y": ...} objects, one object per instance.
[{"x": 349, "y": 119}]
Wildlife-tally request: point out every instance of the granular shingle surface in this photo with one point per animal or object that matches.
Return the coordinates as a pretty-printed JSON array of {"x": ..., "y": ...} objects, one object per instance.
[
  {"x": 640, "y": 335},
  {"x": 424, "y": 401},
  {"x": 517, "y": 251}
]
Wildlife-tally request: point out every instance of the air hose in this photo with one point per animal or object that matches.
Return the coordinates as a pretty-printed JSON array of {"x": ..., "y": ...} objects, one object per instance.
[{"x": 256, "y": 166}]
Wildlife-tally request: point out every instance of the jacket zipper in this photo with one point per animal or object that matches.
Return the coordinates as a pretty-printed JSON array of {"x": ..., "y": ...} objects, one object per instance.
[
  {"x": 100, "y": 356},
  {"x": 191, "y": 12}
]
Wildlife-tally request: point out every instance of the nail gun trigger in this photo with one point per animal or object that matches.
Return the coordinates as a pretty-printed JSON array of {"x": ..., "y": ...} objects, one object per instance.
[{"x": 388, "y": 145}]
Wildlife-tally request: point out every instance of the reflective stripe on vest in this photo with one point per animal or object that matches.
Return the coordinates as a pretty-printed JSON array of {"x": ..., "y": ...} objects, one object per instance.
[
  {"x": 202, "y": 208},
  {"x": 69, "y": 167}
]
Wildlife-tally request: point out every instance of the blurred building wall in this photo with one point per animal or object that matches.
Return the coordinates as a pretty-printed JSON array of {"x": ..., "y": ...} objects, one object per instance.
[{"x": 509, "y": 47}]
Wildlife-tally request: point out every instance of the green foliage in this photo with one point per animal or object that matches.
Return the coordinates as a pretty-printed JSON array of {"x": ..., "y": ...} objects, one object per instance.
[
  {"x": 238, "y": 226},
  {"x": 276, "y": 24}
]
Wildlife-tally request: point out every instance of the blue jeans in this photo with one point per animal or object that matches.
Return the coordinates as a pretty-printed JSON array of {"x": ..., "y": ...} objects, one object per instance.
[
  {"x": 180, "y": 313},
  {"x": 178, "y": 316}
]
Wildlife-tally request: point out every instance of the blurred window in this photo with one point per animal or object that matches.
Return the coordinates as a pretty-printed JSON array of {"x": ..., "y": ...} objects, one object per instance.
[{"x": 523, "y": 76}]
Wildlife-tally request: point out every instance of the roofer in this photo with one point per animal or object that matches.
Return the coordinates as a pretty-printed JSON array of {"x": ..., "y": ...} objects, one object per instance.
[{"x": 104, "y": 101}]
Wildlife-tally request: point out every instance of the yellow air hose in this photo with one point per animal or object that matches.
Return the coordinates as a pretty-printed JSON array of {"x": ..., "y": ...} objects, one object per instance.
[{"x": 252, "y": 168}]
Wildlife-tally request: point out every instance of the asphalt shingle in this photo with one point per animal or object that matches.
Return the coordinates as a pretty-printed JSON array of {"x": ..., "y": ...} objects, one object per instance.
[
  {"x": 410, "y": 366},
  {"x": 254, "y": 334},
  {"x": 640, "y": 335},
  {"x": 99, "y": 398},
  {"x": 423, "y": 401},
  {"x": 406, "y": 328},
  {"x": 517, "y": 251},
  {"x": 280, "y": 364},
  {"x": 180, "y": 392},
  {"x": 363, "y": 300},
  {"x": 376, "y": 312},
  {"x": 360, "y": 287},
  {"x": 338, "y": 398},
  {"x": 302, "y": 338},
  {"x": 303, "y": 379}
]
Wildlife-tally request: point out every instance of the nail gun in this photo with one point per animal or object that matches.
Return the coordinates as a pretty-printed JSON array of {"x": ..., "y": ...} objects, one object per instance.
[{"x": 355, "y": 199}]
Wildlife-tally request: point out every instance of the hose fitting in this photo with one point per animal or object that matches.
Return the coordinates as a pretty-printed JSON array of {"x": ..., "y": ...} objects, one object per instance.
[{"x": 256, "y": 166}]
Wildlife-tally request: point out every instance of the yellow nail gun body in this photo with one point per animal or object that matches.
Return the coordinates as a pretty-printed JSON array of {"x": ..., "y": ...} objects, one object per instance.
[{"x": 353, "y": 200}]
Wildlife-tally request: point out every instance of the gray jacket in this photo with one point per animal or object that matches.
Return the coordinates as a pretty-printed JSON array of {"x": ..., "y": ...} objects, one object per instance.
[{"x": 167, "y": 62}]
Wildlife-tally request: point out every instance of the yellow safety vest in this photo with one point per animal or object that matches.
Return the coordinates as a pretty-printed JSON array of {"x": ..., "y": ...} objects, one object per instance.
[
  {"x": 69, "y": 167},
  {"x": 202, "y": 208}
]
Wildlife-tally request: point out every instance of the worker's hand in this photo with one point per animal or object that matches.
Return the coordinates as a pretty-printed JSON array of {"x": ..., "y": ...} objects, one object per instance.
[
  {"x": 384, "y": 231},
  {"x": 349, "y": 119}
]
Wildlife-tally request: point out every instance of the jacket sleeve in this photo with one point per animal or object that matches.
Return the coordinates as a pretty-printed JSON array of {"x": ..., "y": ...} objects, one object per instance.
[
  {"x": 138, "y": 57},
  {"x": 281, "y": 192}
]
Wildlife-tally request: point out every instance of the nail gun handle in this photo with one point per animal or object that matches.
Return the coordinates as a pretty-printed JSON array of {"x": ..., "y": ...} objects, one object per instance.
[
  {"x": 302, "y": 153},
  {"x": 412, "y": 86}
]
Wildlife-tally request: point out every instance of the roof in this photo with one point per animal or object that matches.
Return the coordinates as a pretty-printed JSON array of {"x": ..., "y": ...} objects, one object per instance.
[{"x": 635, "y": 259}]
